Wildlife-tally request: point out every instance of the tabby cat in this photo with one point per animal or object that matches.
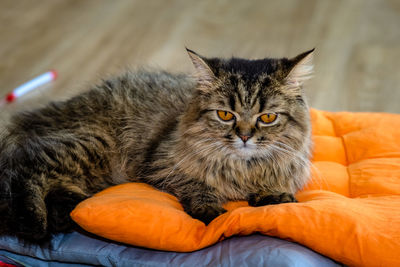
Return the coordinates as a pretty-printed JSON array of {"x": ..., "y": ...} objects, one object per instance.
[{"x": 236, "y": 130}]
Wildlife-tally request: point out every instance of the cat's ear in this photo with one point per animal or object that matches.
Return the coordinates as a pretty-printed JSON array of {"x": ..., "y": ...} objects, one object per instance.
[
  {"x": 204, "y": 74},
  {"x": 301, "y": 69}
]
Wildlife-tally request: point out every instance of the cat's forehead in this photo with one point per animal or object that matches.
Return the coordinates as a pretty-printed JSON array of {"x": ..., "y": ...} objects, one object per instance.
[
  {"x": 247, "y": 69},
  {"x": 251, "y": 79},
  {"x": 239, "y": 93},
  {"x": 243, "y": 96},
  {"x": 250, "y": 85}
]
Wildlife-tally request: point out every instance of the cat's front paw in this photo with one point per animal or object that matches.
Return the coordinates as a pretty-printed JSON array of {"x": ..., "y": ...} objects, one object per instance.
[
  {"x": 29, "y": 223},
  {"x": 206, "y": 213},
  {"x": 263, "y": 199}
]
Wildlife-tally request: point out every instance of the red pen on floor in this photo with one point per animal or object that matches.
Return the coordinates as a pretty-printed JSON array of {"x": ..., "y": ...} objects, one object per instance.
[{"x": 30, "y": 85}]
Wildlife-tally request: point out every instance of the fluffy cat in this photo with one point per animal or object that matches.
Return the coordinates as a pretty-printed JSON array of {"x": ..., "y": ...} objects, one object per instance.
[{"x": 237, "y": 130}]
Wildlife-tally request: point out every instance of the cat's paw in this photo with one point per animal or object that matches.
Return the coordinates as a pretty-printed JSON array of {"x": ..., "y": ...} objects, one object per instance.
[
  {"x": 60, "y": 202},
  {"x": 30, "y": 224},
  {"x": 206, "y": 213},
  {"x": 263, "y": 199}
]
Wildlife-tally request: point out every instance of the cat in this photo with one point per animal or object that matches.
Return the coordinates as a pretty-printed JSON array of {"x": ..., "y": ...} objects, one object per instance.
[{"x": 235, "y": 130}]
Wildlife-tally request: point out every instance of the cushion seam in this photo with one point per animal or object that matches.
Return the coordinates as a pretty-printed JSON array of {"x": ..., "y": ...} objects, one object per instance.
[{"x": 345, "y": 152}]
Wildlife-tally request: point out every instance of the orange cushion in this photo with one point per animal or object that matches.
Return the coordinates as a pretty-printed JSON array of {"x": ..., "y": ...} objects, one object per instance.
[{"x": 350, "y": 210}]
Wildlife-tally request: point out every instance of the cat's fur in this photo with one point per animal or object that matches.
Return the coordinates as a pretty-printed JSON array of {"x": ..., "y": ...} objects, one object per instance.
[{"x": 161, "y": 129}]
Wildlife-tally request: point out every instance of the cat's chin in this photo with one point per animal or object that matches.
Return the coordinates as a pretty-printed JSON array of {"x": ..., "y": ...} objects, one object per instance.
[{"x": 245, "y": 150}]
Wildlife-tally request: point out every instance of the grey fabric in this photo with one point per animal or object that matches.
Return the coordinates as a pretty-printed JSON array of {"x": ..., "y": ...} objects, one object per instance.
[{"x": 75, "y": 248}]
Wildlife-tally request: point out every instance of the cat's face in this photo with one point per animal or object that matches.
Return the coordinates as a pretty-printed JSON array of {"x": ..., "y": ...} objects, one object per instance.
[{"x": 252, "y": 108}]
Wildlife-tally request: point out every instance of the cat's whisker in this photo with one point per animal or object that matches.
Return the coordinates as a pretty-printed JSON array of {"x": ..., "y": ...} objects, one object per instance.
[
  {"x": 288, "y": 152},
  {"x": 294, "y": 152},
  {"x": 318, "y": 178},
  {"x": 298, "y": 159},
  {"x": 286, "y": 146}
]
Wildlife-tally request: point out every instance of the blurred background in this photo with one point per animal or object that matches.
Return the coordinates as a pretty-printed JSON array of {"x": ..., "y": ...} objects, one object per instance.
[{"x": 357, "y": 58}]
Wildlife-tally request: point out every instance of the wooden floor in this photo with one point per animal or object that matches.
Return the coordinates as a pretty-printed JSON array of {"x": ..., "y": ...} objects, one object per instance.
[{"x": 357, "y": 42}]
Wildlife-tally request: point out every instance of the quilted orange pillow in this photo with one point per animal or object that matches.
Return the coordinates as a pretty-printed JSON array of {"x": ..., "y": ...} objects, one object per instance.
[{"x": 349, "y": 212}]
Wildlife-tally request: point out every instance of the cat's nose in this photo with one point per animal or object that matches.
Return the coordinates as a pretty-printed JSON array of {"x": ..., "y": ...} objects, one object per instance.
[
  {"x": 244, "y": 132},
  {"x": 244, "y": 137}
]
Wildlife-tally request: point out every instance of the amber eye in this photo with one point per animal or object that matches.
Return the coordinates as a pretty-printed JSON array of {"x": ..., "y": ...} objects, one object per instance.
[
  {"x": 225, "y": 115},
  {"x": 268, "y": 118}
]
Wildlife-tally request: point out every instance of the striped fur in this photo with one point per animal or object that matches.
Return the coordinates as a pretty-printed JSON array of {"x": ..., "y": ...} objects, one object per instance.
[{"x": 161, "y": 129}]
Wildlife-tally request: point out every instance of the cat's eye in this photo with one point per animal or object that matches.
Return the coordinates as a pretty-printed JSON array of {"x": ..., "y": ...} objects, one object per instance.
[
  {"x": 225, "y": 115},
  {"x": 268, "y": 118}
]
